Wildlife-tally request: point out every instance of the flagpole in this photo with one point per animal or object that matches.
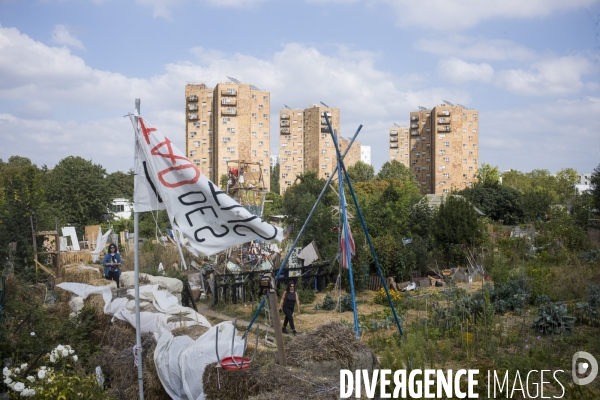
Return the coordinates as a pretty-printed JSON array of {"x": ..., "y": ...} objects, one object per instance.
[{"x": 136, "y": 280}]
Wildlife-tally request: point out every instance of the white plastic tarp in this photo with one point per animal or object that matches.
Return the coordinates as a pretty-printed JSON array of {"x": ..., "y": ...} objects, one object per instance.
[
  {"x": 100, "y": 243},
  {"x": 180, "y": 364},
  {"x": 83, "y": 290}
]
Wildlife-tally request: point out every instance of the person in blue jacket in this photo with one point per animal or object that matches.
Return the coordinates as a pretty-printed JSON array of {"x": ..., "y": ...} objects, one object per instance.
[{"x": 112, "y": 264}]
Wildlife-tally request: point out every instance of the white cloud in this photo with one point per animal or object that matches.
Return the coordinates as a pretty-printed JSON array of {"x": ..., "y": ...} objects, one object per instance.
[
  {"x": 458, "y": 71},
  {"x": 161, "y": 8},
  {"x": 550, "y": 135},
  {"x": 555, "y": 77},
  {"x": 51, "y": 81},
  {"x": 455, "y": 15},
  {"x": 475, "y": 48},
  {"x": 61, "y": 35}
]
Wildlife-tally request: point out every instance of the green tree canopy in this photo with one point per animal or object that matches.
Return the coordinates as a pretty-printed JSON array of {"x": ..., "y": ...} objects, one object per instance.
[
  {"x": 120, "y": 184},
  {"x": 595, "y": 184},
  {"x": 77, "y": 192},
  {"x": 488, "y": 176},
  {"x": 361, "y": 172},
  {"x": 21, "y": 198},
  {"x": 456, "y": 227},
  {"x": 275, "y": 173},
  {"x": 497, "y": 202},
  {"x": 394, "y": 170}
]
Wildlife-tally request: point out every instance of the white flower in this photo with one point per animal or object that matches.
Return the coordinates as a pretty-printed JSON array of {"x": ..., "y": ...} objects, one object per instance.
[
  {"x": 60, "y": 347},
  {"x": 65, "y": 352},
  {"x": 27, "y": 392},
  {"x": 44, "y": 367},
  {"x": 41, "y": 374},
  {"x": 52, "y": 359},
  {"x": 31, "y": 378},
  {"x": 6, "y": 371},
  {"x": 75, "y": 358},
  {"x": 23, "y": 366},
  {"x": 19, "y": 386},
  {"x": 17, "y": 371},
  {"x": 12, "y": 385},
  {"x": 7, "y": 380},
  {"x": 49, "y": 380},
  {"x": 32, "y": 333},
  {"x": 71, "y": 351}
]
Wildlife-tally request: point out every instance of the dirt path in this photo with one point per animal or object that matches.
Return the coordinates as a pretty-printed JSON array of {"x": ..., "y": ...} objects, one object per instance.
[{"x": 206, "y": 311}]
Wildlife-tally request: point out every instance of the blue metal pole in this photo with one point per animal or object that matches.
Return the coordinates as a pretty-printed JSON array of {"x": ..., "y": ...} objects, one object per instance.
[
  {"x": 287, "y": 257},
  {"x": 362, "y": 221},
  {"x": 342, "y": 169},
  {"x": 345, "y": 227}
]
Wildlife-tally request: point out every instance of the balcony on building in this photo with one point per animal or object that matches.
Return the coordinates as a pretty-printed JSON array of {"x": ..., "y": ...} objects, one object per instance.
[
  {"x": 284, "y": 123},
  {"x": 285, "y": 116},
  {"x": 285, "y": 131},
  {"x": 444, "y": 128},
  {"x": 393, "y": 145},
  {"x": 325, "y": 129},
  {"x": 228, "y": 92},
  {"x": 414, "y": 125},
  {"x": 444, "y": 113},
  {"x": 328, "y": 114},
  {"x": 414, "y": 132},
  {"x": 393, "y": 133},
  {"x": 443, "y": 120},
  {"x": 193, "y": 116},
  {"x": 414, "y": 118},
  {"x": 228, "y": 101},
  {"x": 226, "y": 111},
  {"x": 193, "y": 97},
  {"x": 192, "y": 107},
  {"x": 393, "y": 139}
]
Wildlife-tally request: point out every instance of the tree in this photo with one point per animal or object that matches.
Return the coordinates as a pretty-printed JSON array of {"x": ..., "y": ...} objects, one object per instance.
[
  {"x": 497, "y": 202},
  {"x": 456, "y": 227},
  {"x": 536, "y": 203},
  {"x": 273, "y": 204},
  {"x": 394, "y": 170},
  {"x": 488, "y": 176},
  {"x": 361, "y": 172},
  {"x": 21, "y": 197},
  {"x": 120, "y": 184},
  {"x": 566, "y": 179},
  {"x": 275, "y": 179},
  {"x": 298, "y": 200},
  {"x": 77, "y": 192},
  {"x": 595, "y": 184}
]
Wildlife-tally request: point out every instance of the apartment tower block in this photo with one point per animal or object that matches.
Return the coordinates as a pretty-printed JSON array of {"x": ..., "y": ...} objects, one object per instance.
[
  {"x": 399, "y": 150},
  {"x": 444, "y": 148},
  {"x": 306, "y": 144},
  {"x": 226, "y": 123}
]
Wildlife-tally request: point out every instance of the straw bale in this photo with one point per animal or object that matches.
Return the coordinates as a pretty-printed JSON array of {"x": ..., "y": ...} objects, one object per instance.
[
  {"x": 265, "y": 379},
  {"x": 121, "y": 372},
  {"x": 73, "y": 273},
  {"x": 329, "y": 348},
  {"x": 194, "y": 331}
]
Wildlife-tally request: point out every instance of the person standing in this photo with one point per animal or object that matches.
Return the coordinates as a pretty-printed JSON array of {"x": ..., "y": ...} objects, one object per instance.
[
  {"x": 288, "y": 301},
  {"x": 112, "y": 264}
]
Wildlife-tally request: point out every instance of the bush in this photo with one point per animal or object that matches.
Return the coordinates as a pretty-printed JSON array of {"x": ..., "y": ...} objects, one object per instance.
[
  {"x": 381, "y": 297},
  {"x": 306, "y": 296}
]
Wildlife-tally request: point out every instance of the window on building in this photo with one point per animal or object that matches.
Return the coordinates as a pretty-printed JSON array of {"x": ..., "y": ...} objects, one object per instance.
[
  {"x": 265, "y": 97},
  {"x": 260, "y": 124},
  {"x": 197, "y": 143},
  {"x": 446, "y": 159},
  {"x": 197, "y": 162},
  {"x": 446, "y": 175},
  {"x": 203, "y": 104},
  {"x": 464, "y": 145},
  {"x": 253, "y": 134},
  {"x": 231, "y": 149},
  {"x": 226, "y": 120},
  {"x": 260, "y": 143},
  {"x": 253, "y": 115},
  {"x": 254, "y": 96},
  {"x": 231, "y": 130},
  {"x": 266, "y": 116}
]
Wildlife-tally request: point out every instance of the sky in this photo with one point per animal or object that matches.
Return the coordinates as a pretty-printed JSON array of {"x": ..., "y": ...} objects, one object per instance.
[{"x": 70, "y": 70}]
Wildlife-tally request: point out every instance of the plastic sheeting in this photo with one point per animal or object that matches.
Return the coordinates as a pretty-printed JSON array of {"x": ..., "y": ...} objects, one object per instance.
[
  {"x": 100, "y": 243},
  {"x": 180, "y": 361}
]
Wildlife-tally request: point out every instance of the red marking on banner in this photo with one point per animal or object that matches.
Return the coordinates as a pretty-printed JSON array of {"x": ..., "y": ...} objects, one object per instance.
[
  {"x": 146, "y": 131},
  {"x": 180, "y": 183},
  {"x": 170, "y": 154}
]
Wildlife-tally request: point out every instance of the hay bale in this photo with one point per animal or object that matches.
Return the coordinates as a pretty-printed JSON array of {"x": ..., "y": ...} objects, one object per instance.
[
  {"x": 329, "y": 348},
  {"x": 267, "y": 380},
  {"x": 194, "y": 331},
  {"x": 81, "y": 273},
  {"x": 119, "y": 369}
]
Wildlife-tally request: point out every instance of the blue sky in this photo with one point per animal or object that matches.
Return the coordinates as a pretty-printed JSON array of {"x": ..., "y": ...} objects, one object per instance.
[{"x": 70, "y": 70}]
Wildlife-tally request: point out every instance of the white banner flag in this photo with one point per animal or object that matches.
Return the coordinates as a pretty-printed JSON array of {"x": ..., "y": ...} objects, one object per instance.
[{"x": 208, "y": 218}]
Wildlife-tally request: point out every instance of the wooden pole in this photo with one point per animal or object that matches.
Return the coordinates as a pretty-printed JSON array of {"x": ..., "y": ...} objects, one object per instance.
[{"x": 272, "y": 295}]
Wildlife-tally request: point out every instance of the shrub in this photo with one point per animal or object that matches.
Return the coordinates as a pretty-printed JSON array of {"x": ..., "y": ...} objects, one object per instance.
[
  {"x": 381, "y": 297},
  {"x": 306, "y": 296}
]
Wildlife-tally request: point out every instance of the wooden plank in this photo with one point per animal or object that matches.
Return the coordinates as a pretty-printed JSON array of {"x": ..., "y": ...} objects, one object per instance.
[{"x": 44, "y": 268}]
